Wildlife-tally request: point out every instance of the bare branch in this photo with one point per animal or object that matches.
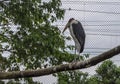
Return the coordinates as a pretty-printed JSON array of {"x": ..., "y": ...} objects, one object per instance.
[{"x": 63, "y": 67}]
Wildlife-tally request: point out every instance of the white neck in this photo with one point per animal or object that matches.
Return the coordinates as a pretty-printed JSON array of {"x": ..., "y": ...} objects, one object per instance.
[{"x": 74, "y": 22}]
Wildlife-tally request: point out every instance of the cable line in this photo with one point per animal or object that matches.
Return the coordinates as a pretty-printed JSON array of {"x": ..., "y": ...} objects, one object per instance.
[
  {"x": 92, "y": 11},
  {"x": 95, "y": 25},
  {"x": 91, "y": 2}
]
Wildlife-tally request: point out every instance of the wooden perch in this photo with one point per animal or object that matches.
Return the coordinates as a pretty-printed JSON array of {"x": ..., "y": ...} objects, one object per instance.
[{"x": 63, "y": 67}]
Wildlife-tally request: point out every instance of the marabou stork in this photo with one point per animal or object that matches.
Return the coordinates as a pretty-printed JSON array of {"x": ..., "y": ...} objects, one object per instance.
[{"x": 78, "y": 34}]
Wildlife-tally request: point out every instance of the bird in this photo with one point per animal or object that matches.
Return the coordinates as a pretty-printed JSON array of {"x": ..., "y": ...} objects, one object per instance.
[{"x": 78, "y": 34}]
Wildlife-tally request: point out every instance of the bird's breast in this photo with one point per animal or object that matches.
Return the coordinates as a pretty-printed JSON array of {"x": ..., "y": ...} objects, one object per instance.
[
  {"x": 77, "y": 44},
  {"x": 72, "y": 34}
]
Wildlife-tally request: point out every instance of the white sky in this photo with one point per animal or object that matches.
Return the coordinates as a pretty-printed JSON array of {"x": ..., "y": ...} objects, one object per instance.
[
  {"x": 101, "y": 24},
  {"x": 102, "y": 29}
]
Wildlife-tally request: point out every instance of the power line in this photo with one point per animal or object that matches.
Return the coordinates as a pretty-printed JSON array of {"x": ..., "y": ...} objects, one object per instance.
[
  {"x": 98, "y": 29},
  {"x": 102, "y": 34},
  {"x": 92, "y": 11},
  {"x": 104, "y": 25},
  {"x": 108, "y": 31},
  {"x": 103, "y": 30},
  {"x": 94, "y": 21},
  {"x": 91, "y": 2},
  {"x": 96, "y": 25},
  {"x": 97, "y": 48}
]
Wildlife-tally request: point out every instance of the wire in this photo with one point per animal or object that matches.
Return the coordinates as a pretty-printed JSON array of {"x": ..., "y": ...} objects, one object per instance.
[
  {"x": 100, "y": 30},
  {"x": 92, "y": 11},
  {"x": 97, "y": 48},
  {"x": 91, "y": 2},
  {"x": 113, "y": 32},
  {"x": 93, "y": 21},
  {"x": 96, "y": 25},
  {"x": 103, "y": 30},
  {"x": 102, "y": 34},
  {"x": 104, "y": 25}
]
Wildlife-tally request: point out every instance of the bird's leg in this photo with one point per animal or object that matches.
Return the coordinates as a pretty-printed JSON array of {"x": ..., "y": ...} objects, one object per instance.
[
  {"x": 75, "y": 58},
  {"x": 76, "y": 54},
  {"x": 75, "y": 49}
]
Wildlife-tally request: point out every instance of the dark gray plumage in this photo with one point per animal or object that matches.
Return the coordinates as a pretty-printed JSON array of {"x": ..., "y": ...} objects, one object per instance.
[{"x": 78, "y": 34}]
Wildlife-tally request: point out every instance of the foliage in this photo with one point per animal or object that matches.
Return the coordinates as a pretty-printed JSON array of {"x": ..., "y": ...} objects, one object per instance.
[
  {"x": 106, "y": 73},
  {"x": 72, "y": 77},
  {"x": 27, "y": 38},
  {"x": 20, "y": 81},
  {"x": 27, "y": 34}
]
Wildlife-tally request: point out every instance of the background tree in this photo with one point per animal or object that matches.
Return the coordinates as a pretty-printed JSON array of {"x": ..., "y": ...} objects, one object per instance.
[
  {"x": 28, "y": 37},
  {"x": 72, "y": 77},
  {"x": 106, "y": 73}
]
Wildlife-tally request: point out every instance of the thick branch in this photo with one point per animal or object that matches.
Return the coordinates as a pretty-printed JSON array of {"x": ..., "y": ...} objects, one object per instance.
[{"x": 63, "y": 67}]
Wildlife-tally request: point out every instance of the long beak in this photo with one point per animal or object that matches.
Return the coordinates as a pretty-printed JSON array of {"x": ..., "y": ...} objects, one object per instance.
[{"x": 65, "y": 27}]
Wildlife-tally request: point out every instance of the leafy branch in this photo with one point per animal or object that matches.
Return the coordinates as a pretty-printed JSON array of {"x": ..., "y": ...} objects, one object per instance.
[{"x": 63, "y": 67}]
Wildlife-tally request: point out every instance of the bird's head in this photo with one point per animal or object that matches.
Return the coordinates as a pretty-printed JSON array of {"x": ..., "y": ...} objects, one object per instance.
[{"x": 68, "y": 24}]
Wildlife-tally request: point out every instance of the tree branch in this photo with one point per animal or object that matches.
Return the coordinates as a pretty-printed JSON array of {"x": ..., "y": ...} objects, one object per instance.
[{"x": 63, "y": 67}]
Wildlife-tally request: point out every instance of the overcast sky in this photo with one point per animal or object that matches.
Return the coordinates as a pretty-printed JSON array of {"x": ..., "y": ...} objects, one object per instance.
[{"x": 101, "y": 21}]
